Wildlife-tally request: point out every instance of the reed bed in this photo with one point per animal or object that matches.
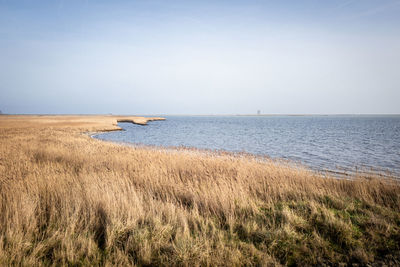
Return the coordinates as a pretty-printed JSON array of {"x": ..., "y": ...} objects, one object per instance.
[{"x": 68, "y": 199}]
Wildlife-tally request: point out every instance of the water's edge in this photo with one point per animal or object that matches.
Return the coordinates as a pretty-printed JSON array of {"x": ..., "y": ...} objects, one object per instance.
[{"x": 232, "y": 133}]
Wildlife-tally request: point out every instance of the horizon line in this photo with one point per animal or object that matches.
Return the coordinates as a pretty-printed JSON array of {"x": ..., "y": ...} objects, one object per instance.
[{"x": 221, "y": 114}]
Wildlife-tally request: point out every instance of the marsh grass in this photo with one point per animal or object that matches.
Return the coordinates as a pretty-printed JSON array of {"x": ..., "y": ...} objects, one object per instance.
[{"x": 68, "y": 199}]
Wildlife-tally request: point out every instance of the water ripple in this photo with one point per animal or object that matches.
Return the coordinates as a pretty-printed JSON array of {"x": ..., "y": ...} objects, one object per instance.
[{"x": 321, "y": 142}]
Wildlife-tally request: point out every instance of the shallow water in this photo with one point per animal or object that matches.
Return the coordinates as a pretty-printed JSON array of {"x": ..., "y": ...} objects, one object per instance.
[{"x": 336, "y": 143}]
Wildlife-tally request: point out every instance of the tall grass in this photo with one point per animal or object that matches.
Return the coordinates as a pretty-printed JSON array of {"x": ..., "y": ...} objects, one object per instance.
[{"x": 67, "y": 199}]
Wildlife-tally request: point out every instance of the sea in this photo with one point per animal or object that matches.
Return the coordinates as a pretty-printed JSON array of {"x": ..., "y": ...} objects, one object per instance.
[{"x": 340, "y": 144}]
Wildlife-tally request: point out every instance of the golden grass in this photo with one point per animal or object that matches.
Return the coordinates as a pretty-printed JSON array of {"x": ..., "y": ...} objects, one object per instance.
[{"x": 68, "y": 199}]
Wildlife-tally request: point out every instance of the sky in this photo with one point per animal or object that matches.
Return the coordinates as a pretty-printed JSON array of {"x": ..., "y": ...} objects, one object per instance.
[{"x": 200, "y": 57}]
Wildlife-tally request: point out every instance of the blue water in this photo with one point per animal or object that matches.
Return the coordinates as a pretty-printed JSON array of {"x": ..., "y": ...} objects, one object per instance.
[{"x": 336, "y": 143}]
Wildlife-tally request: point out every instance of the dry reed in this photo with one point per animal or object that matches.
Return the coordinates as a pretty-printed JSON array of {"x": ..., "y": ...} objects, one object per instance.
[{"x": 68, "y": 199}]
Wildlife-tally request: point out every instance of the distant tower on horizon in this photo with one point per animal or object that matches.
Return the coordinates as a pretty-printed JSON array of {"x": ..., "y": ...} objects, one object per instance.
[{"x": 258, "y": 112}]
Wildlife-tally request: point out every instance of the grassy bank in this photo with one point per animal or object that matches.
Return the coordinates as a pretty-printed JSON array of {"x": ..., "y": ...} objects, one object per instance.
[{"x": 68, "y": 199}]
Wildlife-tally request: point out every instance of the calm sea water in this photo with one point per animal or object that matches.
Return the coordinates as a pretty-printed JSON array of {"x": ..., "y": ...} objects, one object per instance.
[{"x": 336, "y": 143}]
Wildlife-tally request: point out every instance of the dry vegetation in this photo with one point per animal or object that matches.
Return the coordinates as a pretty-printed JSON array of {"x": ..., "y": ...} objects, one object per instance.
[{"x": 67, "y": 199}]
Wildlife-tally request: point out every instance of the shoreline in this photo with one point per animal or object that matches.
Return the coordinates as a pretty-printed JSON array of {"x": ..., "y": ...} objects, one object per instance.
[
  {"x": 336, "y": 173},
  {"x": 67, "y": 198},
  {"x": 143, "y": 121},
  {"x": 94, "y": 123},
  {"x": 328, "y": 173},
  {"x": 139, "y": 120}
]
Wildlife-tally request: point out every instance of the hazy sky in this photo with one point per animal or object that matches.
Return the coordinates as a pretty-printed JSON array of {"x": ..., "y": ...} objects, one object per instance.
[{"x": 200, "y": 57}]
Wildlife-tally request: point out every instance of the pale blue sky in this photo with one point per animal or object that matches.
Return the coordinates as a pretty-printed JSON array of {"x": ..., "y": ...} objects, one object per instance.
[{"x": 200, "y": 57}]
